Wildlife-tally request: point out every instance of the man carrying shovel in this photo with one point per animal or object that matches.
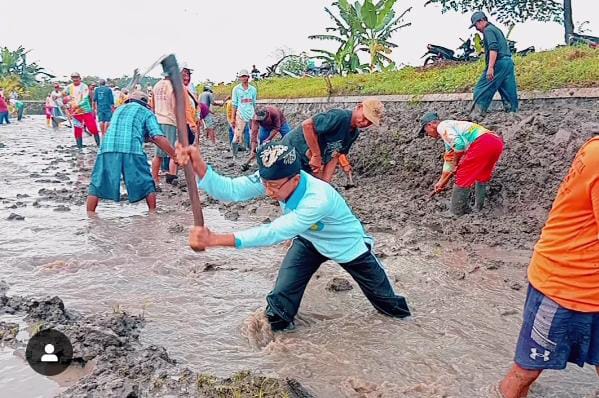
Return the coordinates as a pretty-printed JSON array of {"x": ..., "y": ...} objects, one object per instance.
[
  {"x": 471, "y": 153},
  {"x": 325, "y": 137},
  {"x": 315, "y": 216}
]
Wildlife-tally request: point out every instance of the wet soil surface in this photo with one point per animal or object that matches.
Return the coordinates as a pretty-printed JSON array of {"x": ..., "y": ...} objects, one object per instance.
[{"x": 164, "y": 320}]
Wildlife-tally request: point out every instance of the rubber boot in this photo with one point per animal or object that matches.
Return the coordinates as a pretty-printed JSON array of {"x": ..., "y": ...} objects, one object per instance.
[
  {"x": 460, "y": 198},
  {"x": 97, "y": 139},
  {"x": 79, "y": 142},
  {"x": 480, "y": 193},
  {"x": 234, "y": 148},
  {"x": 172, "y": 179}
]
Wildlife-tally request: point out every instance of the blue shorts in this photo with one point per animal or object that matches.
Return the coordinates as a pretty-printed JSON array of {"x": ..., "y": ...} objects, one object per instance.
[
  {"x": 264, "y": 133},
  {"x": 104, "y": 116},
  {"x": 106, "y": 177},
  {"x": 551, "y": 335}
]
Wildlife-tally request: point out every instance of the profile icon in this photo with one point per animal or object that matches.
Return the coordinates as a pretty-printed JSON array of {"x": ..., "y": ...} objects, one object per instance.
[
  {"x": 49, "y": 356},
  {"x": 49, "y": 352}
]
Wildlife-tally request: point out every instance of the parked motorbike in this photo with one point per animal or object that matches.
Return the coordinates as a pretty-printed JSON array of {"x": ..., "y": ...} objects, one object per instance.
[
  {"x": 438, "y": 53},
  {"x": 523, "y": 53},
  {"x": 575, "y": 39}
]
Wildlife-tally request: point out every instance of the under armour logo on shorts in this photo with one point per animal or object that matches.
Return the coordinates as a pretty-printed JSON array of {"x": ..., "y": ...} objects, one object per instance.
[{"x": 534, "y": 354}]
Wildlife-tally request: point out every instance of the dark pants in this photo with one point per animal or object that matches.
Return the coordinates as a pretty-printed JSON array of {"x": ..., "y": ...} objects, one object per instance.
[
  {"x": 4, "y": 117},
  {"x": 20, "y": 113},
  {"x": 504, "y": 82},
  {"x": 302, "y": 261}
]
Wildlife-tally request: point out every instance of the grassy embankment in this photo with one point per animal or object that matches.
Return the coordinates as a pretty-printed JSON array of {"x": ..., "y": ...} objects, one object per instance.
[{"x": 559, "y": 68}]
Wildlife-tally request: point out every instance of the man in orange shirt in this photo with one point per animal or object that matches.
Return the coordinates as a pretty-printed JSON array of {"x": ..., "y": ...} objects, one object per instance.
[{"x": 561, "y": 313}]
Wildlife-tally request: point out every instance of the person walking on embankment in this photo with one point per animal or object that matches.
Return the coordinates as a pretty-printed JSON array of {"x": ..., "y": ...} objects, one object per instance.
[
  {"x": 471, "y": 153},
  {"x": 561, "y": 312},
  {"x": 315, "y": 216},
  {"x": 328, "y": 136},
  {"x": 500, "y": 72}
]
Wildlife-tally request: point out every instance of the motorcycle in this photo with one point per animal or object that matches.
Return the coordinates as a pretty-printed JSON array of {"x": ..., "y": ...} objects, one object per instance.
[
  {"x": 575, "y": 39},
  {"x": 522, "y": 53},
  {"x": 438, "y": 53}
]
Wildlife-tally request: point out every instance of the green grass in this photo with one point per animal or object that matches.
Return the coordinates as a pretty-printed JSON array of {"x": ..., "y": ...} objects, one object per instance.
[{"x": 560, "y": 68}]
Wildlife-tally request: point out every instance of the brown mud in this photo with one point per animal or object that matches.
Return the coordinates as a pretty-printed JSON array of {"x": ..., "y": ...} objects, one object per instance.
[
  {"x": 118, "y": 365},
  {"x": 464, "y": 278}
]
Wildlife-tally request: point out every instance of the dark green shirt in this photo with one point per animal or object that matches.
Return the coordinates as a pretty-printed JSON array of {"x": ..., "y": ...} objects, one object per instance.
[
  {"x": 494, "y": 40},
  {"x": 334, "y": 131}
]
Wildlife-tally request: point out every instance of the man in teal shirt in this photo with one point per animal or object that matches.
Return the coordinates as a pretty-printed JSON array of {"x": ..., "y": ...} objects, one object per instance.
[
  {"x": 500, "y": 74},
  {"x": 315, "y": 216},
  {"x": 244, "y": 98}
]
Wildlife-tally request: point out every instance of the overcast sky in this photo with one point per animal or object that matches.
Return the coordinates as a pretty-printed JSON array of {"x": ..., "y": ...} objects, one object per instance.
[{"x": 110, "y": 38}]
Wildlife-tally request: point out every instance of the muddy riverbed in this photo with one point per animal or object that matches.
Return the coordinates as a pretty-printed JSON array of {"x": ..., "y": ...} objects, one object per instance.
[{"x": 198, "y": 308}]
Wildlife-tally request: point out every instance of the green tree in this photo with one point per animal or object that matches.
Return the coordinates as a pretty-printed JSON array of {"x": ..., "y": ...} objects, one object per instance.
[
  {"x": 378, "y": 23},
  {"x": 366, "y": 27},
  {"x": 14, "y": 63},
  {"x": 510, "y": 12},
  {"x": 345, "y": 32}
]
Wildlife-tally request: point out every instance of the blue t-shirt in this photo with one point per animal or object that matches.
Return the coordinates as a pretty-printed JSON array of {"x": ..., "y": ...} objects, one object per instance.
[
  {"x": 104, "y": 98},
  {"x": 315, "y": 211}
]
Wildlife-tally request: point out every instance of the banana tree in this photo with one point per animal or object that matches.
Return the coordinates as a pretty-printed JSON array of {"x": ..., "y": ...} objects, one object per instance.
[
  {"x": 345, "y": 32},
  {"x": 14, "y": 63},
  {"x": 379, "y": 22},
  {"x": 345, "y": 60}
]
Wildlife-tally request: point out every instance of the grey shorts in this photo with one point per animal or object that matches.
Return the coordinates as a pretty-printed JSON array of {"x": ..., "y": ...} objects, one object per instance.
[
  {"x": 170, "y": 132},
  {"x": 209, "y": 121}
]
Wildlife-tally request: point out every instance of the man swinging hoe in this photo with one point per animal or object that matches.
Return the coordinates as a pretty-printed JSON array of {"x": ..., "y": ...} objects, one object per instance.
[{"x": 315, "y": 216}]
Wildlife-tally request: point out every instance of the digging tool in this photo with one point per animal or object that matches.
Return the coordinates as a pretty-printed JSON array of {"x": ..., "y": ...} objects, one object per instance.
[
  {"x": 171, "y": 69},
  {"x": 350, "y": 184},
  {"x": 137, "y": 76}
]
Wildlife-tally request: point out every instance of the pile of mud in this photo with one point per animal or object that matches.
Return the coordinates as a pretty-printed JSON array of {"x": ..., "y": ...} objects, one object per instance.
[
  {"x": 395, "y": 171},
  {"x": 120, "y": 365}
]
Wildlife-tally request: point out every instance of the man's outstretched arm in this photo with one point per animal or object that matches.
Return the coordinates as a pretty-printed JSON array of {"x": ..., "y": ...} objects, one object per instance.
[{"x": 219, "y": 187}]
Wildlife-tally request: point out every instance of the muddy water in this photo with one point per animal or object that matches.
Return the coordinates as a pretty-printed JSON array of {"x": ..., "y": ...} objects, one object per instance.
[{"x": 459, "y": 341}]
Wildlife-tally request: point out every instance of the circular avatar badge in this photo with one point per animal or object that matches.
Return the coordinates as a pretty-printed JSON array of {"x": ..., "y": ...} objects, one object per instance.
[{"x": 49, "y": 352}]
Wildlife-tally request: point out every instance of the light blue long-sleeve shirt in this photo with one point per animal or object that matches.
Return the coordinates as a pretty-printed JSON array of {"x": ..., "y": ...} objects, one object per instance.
[{"x": 315, "y": 211}]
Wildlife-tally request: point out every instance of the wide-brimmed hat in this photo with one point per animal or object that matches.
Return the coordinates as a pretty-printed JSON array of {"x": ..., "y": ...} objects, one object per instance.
[
  {"x": 373, "y": 110},
  {"x": 139, "y": 96},
  {"x": 277, "y": 160},
  {"x": 477, "y": 16},
  {"x": 426, "y": 119}
]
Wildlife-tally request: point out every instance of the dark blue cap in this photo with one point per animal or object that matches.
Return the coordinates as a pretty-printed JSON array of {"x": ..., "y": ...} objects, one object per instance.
[{"x": 277, "y": 160}]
